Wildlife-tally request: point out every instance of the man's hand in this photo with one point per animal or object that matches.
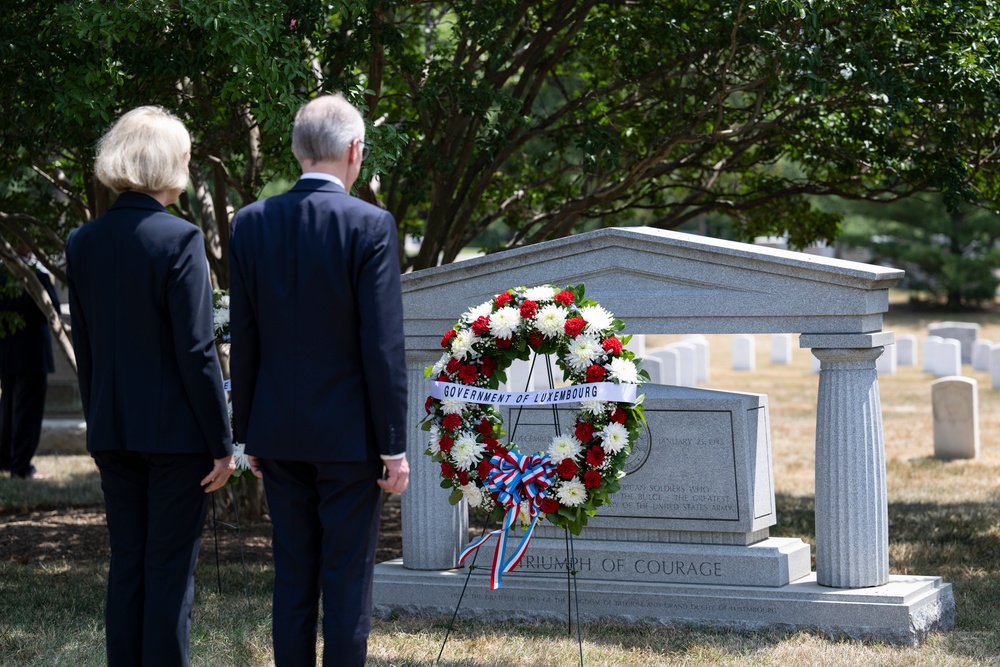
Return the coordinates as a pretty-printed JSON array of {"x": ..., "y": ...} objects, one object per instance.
[
  {"x": 255, "y": 467},
  {"x": 221, "y": 471},
  {"x": 398, "y": 476}
]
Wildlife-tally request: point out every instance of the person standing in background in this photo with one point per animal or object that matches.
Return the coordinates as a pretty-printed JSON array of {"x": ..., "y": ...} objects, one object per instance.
[
  {"x": 319, "y": 382},
  {"x": 25, "y": 362},
  {"x": 151, "y": 385}
]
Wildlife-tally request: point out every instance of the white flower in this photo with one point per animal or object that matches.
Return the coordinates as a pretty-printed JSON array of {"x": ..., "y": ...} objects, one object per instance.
[
  {"x": 572, "y": 493},
  {"x": 439, "y": 365},
  {"x": 220, "y": 317},
  {"x": 434, "y": 439},
  {"x": 466, "y": 452},
  {"x": 594, "y": 407},
  {"x": 472, "y": 494},
  {"x": 450, "y": 406},
  {"x": 623, "y": 370},
  {"x": 240, "y": 457},
  {"x": 473, "y": 314},
  {"x": 615, "y": 437},
  {"x": 224, "y": 301},
  {"x": 583, "y": 352},
  {"x": 598, "y": 319},
  {"x": 551, "y": 320},
  {"x": 504, "y": 322},
  {"x": 540, "y": 293},
  {"x": 564, "y": 447},
  {"x": 524, "y": 513},
  {"x": 462, "y": 343}
]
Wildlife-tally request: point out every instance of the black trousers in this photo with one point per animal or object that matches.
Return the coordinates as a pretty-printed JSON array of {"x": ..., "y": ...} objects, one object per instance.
[
  {"x": 325, "y": 519},
  {"x": 22, "y": 406},
  {"x": 156, "y": 511}
]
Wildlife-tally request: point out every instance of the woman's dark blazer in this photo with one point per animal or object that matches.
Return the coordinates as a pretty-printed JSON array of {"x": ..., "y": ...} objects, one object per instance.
[{"x": 141, "y": 308}]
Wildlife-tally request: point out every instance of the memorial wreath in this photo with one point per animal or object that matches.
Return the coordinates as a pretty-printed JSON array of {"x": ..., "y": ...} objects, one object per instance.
[{"x": 580, "y": 470}]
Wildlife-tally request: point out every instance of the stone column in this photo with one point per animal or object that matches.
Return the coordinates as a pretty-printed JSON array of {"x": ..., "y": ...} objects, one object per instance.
[
  {"x": 852, "y": 536},
  {"x": 434, "y": 531}
]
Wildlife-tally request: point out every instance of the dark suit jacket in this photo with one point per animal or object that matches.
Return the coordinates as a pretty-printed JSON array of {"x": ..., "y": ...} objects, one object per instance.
[
  {"x": 27, "y": 351},
  {"x": 141, "y": 307},
  {"x": 316, "y": 319}
]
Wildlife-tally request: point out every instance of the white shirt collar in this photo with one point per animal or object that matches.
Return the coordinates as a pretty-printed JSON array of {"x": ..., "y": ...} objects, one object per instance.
[{"x": 321, "y": 176}]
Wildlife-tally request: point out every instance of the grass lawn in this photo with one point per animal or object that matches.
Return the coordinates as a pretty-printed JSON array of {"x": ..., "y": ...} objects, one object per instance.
[{"x": 944, "y": 520}]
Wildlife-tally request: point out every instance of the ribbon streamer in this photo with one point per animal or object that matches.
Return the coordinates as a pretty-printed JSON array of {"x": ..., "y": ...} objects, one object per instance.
[
  {"x": 591, "y": 391},
  {"x": 515, "y": 477}
]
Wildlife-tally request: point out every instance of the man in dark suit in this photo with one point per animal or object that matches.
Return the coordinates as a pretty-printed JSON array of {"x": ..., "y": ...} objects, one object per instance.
[
  {"x": 319, "y": 382},
  {"x": 25, "y": 361}
]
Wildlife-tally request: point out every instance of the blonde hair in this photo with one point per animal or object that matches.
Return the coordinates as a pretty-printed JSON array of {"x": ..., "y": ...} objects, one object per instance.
[
  {"x": 147, "y": 150},
  {"x": 325, "y": 127}
]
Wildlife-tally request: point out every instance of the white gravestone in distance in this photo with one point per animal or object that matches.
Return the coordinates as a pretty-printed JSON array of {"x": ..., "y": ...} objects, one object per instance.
[
  {"x": 654, "y": 366},
  {"x": 886, "y": 363},
  {"x": 744, "y": 353},
  {"x": 948, "y": 358},
  {"x": 995, "y": 367},
  {"x": 781, "y": 349},
  {"x": 670, "y": 364},
  {"x": 688, "y": 360},
  {"x": 637, "y": 345},
  {"x": 956, "y": 418},
  {"x": 703, "y": 357},
  {"x": 981, "y": 354},
  {"x": 931, "y": 345},
  {"x": 906, "y": 350},
  {"x": 965, "y": 332}
]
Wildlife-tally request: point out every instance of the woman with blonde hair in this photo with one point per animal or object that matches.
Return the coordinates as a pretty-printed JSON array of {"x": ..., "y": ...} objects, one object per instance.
[{"x": 150, "y": 383}]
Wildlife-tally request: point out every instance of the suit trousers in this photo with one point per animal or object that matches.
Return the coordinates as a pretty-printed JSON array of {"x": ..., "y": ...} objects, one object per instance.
[
  {"x": 22, "y": 407},
  {"x": 325, "y": 520},
  {"x": 156, "y": 512}
]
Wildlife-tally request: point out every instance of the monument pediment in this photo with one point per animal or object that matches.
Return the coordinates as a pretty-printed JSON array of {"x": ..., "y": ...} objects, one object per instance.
[{"x": 699, "y": 285}]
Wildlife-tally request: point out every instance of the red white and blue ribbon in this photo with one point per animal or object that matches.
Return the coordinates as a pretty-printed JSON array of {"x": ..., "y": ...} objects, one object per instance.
[{"x": 515, "y": 477}]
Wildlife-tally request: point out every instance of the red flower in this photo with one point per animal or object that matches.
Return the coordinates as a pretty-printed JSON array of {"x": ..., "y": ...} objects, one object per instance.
[
  {"x": 489, "y": 365},
  {"x": 595, "y": 456},
  {"x": 574, "y": 326},
  {"x": 484, "y": 468},
  {"x": 549, "y": 505},
  {"x": 503, "y": 299},
  {"x": 428, "y": 404},
  {"x": 491, "y": 444},
  {"x": 447, "y": 469},
  {"x": 591, "y": 479},
  {"x": 481, "y": 325},
  {"x": 595, "y": 373},
  {"x": 453, "y": 365},
  {"x": 567, "y": 469},
  {"x": 536, "y": 338},
  {"x": 448, "y": 335},
  {"x": 444, "y": 378},
  {"x": 499, "y": 450},
  {"x": 445, "y": 443},
  {"x": 584, "y": 431},
  {"x": 565, "y": 298},
  {"x": 485, "y": 427},
  {"x": 451, "y": 422},
  {"x": 619, "y": 416},
  {"x": 504, "y": 342},
  {"x": 468, "y": 373},
  {"x": 528, "y": 309},
  {"x": 463, "y": 477},
  {"x": 612, "y": 345}
]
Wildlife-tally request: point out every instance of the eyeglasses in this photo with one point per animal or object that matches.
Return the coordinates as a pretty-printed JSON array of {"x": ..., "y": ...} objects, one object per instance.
[{"x": 365, "y": 149}]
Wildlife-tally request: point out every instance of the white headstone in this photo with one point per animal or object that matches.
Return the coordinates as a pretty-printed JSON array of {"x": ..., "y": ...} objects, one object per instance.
[
  {"x": 995, "y": 367},
  {"x": 688, "y": 362},
  {"x": 956, "y": 418},
  {"x": 886, "y": 363},
  {"x": 981, "y": 354},
  {"x": 670, "y": 364},
  {"x": 906, "y": 349},
  {"x": 703, "y": 357},
  {"x": 931, "y": 344},
  {"x": 519, "y": 376},
  {"x": 949, "y": 358},
  {"x": 816, "y": 363},
  {"x": 744, "y": 353},
  {"x": 654, "y": 366},
  {"x": 637, "y": 345},
  {"x": 781, "y": 348},
  {"x": 966, "y": 332}
]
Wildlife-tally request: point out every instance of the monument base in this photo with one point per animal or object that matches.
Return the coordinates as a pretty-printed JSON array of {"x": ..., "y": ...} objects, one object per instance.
[{"x": 901, "y": 612}]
